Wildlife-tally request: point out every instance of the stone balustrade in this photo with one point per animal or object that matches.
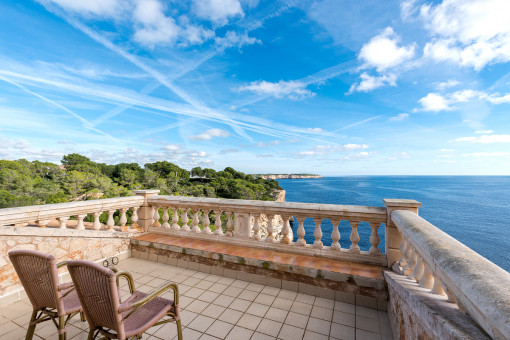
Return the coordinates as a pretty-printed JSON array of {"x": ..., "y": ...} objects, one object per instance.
[
  {"x": 238, "y": 222},
  {"x": 42, "y": 215},
  {"x": 452, "y": 272}
]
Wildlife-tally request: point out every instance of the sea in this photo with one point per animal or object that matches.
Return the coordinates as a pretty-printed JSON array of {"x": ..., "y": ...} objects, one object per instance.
[{"x": 473, "y": 209}]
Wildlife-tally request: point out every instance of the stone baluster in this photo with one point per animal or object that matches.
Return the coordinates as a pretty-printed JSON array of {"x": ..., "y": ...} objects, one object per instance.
[
  {"x": 185, "y": 220},
  {"x": 403, "y": 249},
  {"x": 426, "y": 281},
  {"x": 449, "y": 295},
  {"x": 317, "y": 233},
  {"x": 418, "y": 269},
  {"x": 156, "y": 217},
  {"x": 206, "y": 222},
  {"x": 97, "y": 224},
  {"x": 270, "y": 229},
  {"x": 166, "y": 217},
  {"x": 335, "y": 234},
  {"x": 354, "y": 237},
  {"x": 301, "y": 231},
  {"x": 286, "y": 230},
  {"x": 217, "y": 223},
  {"x": 80, "y": 225},
  {"x": 43, "y": 223},
  {"x": 374, "y": 239},
  {"x": 229, "y": 232},
  {"x": 175, "y": 219},
  {"x": 134, "y": 219},
  {"x": 110, "y": 223},
  {"x": 195, "y": 221},
  {"x": 437, "y": 288},
  {"x": 123, "y": 219},
  {"x": 409, "y": 267},
  {"x": 62, "y": 220},
  {"x": 256, "y": 227}
]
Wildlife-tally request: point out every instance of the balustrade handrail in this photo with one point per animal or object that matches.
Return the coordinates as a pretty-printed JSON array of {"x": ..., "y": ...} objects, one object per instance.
[
  {"x": 40, "y": 212},
  {"x": 347, "y": 212},
  {"x": 479, "y": 287}
]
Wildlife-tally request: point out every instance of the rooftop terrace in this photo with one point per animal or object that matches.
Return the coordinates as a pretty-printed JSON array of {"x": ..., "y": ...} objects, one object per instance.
[{"x": 244, "y": 272}]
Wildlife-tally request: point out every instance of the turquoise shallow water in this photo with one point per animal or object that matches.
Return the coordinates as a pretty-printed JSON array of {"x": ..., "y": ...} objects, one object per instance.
[{"x": 473, "y": 209}]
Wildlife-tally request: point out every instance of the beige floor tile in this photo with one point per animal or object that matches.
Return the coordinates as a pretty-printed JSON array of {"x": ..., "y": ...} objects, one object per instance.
[
  {"x": 265, "y": 299},
  {"x": 367, "y": 324},
  {"x": 276, "y": 314},
  {"x": 342, "y": 332},
  {"x": 226, "y": 281},
  {"x": 345, "y": 307},
  {"x": 255, "y": 287},
  {"x": 8, "y": 327},
  {"x": 314, "y": 336},
  {"x": 291, "y": 333},
  {"x": 201, "y": 323},
  {"x": 318, "y": 326},
  {"x": 191, "y": 281},
  {"x": 240, "y": 284},
  {"x": 269, "y": 327},
  {"x": 219, "y": 329},
  {"x": 208, "y": 296},
  {"x": 240, "y": 305},
  {"x": 296, "y": 319},
  {"x": 218, "y": 288},
  {"x": 270, "y": 290},
  {"x": 261, "y": 336},
  {"x": 200, "y": 275},
  {"x": 204, "y": 284},
  {"x": 248, "y": 295},
  {"x": 197, "y": 306},
  {"x": 257, "y": 309},
  {"x": 208, "y": 337},
  {"x": 364, "y": 335},
  {"x": 190, "y": 334},
  {"x": 249, "y": 321},
  {"x": 194, "y": 292},
  {"x": 302, "y": 308},
  {"x": 167, "y": 331},
  {"x": 325, "y": 303},
  {"x": 224, "y": 300},
  {"x": 322, "y": 313},
  {"x": 239, "y": 333},
  {"x": 282, "y": 303},
  {"x": 344, "y": 318},
  {"x": 187, "y": 316},
  {"x": 287, "y": 294},
  {"x": 305, "y": 298},
  {"x": 367, "y": 312},
  {"x": 232, "y": 291},
  {"x": 212, "y": 278},
  {"x": 231, "y": 316},
  {"x": 213, "y": 311}
]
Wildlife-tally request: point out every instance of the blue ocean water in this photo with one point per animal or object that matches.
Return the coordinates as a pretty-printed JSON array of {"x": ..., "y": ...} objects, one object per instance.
[{"x": 473, "y": 209}]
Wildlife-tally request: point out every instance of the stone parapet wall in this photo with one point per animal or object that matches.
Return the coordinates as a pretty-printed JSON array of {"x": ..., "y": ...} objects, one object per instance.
[{"x": 64, "y": 244}]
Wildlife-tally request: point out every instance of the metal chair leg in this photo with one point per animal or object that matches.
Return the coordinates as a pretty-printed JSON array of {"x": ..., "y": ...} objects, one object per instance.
[
  {"x": 91, "y": 335},
  {"x": 179, "y": 330},
  {"x": 61, "y": 326},
  {"x": 82, "y": 317},
  {"x": 31, "y": 327}
]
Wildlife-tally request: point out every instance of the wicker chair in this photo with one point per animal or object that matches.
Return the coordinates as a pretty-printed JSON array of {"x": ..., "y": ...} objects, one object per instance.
[
  {"x": 107, "y": 315},
  {"x": 38, "y": 273}
]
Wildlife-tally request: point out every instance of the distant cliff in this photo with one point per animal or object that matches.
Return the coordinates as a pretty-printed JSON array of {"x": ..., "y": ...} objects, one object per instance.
[{"x": 288, "y": 176}]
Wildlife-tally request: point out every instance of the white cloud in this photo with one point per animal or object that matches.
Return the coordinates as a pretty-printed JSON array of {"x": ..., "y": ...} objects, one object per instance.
[
  {"x": 232, "y": 39},
  {"x": 469, "y": 33},
  {"x": 447, "y": 84},
  {"x": 447, "y": 150},
  {"x": 106, "y": 8},
  {"x": 153, "y": 26},
  {"x": 210, "y": 134},
  {"x": 291, "y": 89},
  {"x": 328, "y": 149},
  {"x": 400, "y": 155},
  {"x": 314, "y": 130},
  {"x": 483, "y": 132},
  {"x": 434, "y": 102},
  {"x": 217, "y": 11},
  {"x": 400, "y": 117},
  {"x": 383, "y": 52},
  {"x": 486, "y": 154},
  {"x": 358, "y": 156},
  {"x": 485, "y": 139},
  {"x": 369, "y": 83}
]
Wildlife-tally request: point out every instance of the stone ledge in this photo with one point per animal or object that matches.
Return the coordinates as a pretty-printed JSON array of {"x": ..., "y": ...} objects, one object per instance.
[
  {"x": 57, "y": 232},
  {"x": 415, "y": 313}
]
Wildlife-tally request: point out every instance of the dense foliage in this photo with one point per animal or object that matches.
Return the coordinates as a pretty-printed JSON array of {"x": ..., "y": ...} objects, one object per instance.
[{"x": 28, "y": 183}]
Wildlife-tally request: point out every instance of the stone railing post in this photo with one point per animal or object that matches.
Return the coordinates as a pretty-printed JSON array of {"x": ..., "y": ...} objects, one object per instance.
[
  {"x": 392, "y": 236},
  {"x": 145, "y": 212},
  {"x": 242, "y": 225}
]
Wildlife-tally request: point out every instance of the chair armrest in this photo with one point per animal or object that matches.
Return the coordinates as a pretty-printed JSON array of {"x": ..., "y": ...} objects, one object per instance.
[
  {"x": 61, "y": 264},
  {"x": 150, "y": 296},
  {"x": 128, "y": 277}
]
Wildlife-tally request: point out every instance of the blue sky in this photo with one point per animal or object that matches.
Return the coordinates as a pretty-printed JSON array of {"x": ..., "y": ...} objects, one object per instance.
[{"x": 331, "y": 87}]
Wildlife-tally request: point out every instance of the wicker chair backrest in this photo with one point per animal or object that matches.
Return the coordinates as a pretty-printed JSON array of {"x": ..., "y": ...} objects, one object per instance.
[{"x": 39, "y": 276}]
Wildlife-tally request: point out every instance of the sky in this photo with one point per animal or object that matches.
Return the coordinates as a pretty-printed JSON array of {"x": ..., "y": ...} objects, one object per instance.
[{"x": 332, "y": 87}]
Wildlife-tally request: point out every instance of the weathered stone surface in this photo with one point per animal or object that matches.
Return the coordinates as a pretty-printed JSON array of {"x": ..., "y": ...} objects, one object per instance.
[
  {"x": 415, "y": 313},
  {"x": 63, "y": 244}
]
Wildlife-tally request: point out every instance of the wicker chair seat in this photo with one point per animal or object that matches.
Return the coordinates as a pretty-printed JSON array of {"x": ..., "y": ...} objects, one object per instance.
[
  {"x": 71, "y": 301},
  {"x": 147, "y": 315}
]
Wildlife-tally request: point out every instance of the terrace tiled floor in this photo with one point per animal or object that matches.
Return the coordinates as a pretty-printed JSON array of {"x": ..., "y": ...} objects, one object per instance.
[{"x": 215, "y": 307}]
